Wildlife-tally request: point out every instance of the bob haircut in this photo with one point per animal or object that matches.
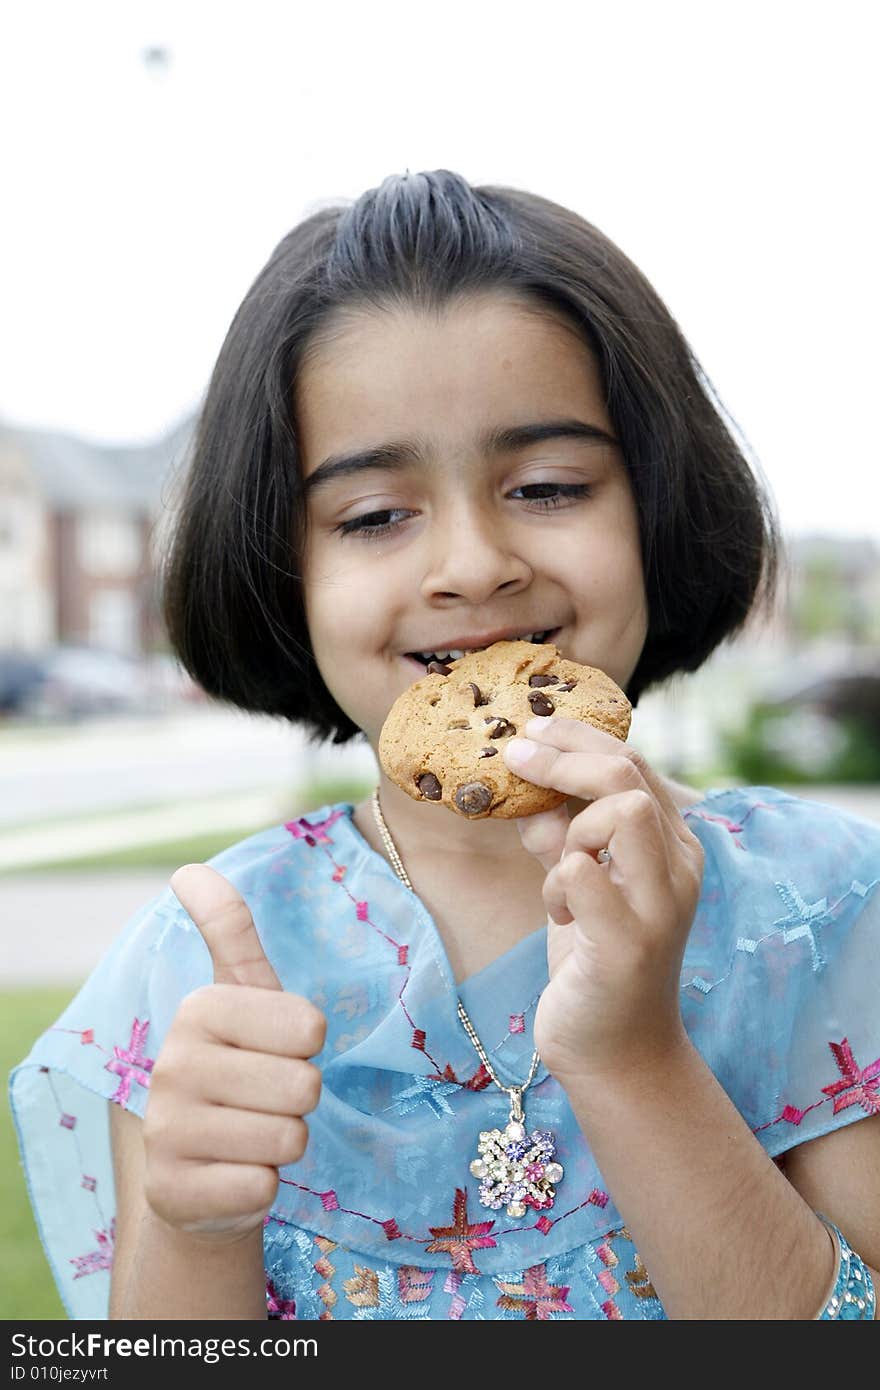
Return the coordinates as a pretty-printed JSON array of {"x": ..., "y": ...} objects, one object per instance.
[{"x": 232, "y": 587}]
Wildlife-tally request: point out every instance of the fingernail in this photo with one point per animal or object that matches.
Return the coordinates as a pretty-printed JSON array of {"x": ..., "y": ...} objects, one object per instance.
[
  {"x": 537, "y": 725},
  {"x": 518, "y": 751}
]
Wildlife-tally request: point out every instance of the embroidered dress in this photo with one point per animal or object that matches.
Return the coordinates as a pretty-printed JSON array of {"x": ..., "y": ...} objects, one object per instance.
[{"x": 381, "y": 1217}]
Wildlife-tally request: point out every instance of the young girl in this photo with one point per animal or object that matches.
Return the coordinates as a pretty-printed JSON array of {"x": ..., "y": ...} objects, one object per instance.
[{"x": 385, "y": 1062}]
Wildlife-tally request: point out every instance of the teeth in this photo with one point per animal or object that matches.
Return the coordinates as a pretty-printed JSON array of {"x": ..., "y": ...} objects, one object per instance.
[{"x": 454, "y": 655}]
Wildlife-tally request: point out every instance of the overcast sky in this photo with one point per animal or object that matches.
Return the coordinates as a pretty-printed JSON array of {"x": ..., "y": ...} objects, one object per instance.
[{"x": 729, "y": 148}]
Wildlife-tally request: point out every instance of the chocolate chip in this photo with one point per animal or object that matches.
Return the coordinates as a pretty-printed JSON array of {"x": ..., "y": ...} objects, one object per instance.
[
  {"x": 429, "y": 787},
  {"x": 568, "y": 685},
  {"x": 472, "y": 798},
  {"x": 488, "y": 752},
  {"x": 502, "y": 726},
  {"x": 439, "y": 668},
  {"x": 541, "y": 705},
  {"x": 543, "y": 680},
  {"x": 479, "y": 698}
]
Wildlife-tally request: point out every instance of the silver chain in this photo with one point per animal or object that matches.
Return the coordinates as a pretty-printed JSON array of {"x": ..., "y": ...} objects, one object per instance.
[{"x": 515, "y": 1092}]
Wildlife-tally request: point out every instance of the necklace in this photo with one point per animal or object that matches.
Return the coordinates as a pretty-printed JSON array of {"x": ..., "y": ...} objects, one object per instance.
[{"x": 515, "y": 1168}]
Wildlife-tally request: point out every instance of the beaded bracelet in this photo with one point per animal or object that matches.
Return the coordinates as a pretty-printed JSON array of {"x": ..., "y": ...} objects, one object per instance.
[{"x": 852, "y": 1291}]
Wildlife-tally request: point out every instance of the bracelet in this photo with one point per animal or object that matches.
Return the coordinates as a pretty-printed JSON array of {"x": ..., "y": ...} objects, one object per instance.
[{"x": 852, "y": 1289}]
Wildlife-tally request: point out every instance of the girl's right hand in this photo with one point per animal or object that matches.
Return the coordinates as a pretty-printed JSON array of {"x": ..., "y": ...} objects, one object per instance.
[{"x": 231, "y": 1082}]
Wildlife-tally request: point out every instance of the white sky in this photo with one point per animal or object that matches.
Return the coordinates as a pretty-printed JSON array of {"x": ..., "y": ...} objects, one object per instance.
[{"x": 729, "y": 148}]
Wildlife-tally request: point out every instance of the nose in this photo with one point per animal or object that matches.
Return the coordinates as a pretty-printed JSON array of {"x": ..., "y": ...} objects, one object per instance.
[{"x": 472, "y": 554}]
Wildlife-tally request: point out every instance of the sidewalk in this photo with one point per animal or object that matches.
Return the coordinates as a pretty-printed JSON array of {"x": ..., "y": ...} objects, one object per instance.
[{"x": 35, "y": 845}]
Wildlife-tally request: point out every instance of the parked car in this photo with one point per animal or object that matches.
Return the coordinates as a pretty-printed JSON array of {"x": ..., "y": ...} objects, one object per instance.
[
  {"x": 75, "y": 681},
  {"x": 21, "y": 674}
]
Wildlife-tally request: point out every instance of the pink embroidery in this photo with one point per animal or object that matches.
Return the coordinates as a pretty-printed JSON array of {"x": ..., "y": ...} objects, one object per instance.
[
  {"x": 283, "y": 1308},
  {"x": 391, "y": 1229},
  {"x": 730, "y": 825},
  {"x": 598, "y": 1197},
  {"x": 418, "y": 1039},
  {"x": 402, "y": 952},
  {"x": 413, "y": 1284},
  {"x": 517, "y": 1023},
  {"x": 339, "y": 873},
  {"x": 457, "y": 1306},
  {"x": 860, "y": 1086},
  {"x": 607, "y": 1255},
  {"x": 362, "y": 911},
  {"x": 792, "y": 1115},
  {"x": 459, "y": 1239},
  {"x": 608, "y": 1282},
  {"x": 543, "y": 1224},
  {"x": 611, "y": 1311},
  {"x": 130, "y": 1063},
  {"x": 300, "y": 829},
  {"x": 68, "y": 1121},
  {"x": 534, "y": 1297},
  {"x": 87, "y": 1035},
  {"x": 89, "y": 1183},
  {"x": 95, "y": 1260},
  {"x": 329, "y": 1200}
]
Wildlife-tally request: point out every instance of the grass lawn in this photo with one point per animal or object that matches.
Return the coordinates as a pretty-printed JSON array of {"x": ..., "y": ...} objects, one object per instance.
[{"x": 27, "y": 1289}]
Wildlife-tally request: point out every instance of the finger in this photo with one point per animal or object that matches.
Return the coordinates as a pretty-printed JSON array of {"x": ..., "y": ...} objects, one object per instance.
[
  {"x": 629, "y": 825},
  {"x": 575, "y": 735},
  {"x": 244, "y": 1136},
  {"x": 583, "y": 893},
  {"x": 587, "y": 772},
  {"x": 245, "y": 1016},
  {"x": 544, "y": 834},
  {"x": 258, "y": 1081},
  {"x": 225, "y": 1190},
  {"x": 224, "y": 920}
]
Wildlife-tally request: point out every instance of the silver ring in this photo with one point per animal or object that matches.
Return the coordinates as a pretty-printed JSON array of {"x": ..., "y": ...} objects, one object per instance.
[{"x": 604, "y": 856}]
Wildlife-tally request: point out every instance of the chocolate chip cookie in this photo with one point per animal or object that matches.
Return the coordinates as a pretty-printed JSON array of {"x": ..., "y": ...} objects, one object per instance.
[{"x": 443, "y": 736}]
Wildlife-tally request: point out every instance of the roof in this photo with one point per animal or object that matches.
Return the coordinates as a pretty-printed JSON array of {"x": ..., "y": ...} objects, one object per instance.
[{"x": 73, "y": 473}]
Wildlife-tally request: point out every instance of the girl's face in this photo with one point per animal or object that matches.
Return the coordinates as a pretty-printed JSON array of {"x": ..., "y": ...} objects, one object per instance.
[{"x": 461, "y": 538}]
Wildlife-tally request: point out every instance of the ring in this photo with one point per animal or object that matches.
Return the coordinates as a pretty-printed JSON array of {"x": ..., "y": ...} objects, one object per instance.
[{"x": 604, "y": 856}]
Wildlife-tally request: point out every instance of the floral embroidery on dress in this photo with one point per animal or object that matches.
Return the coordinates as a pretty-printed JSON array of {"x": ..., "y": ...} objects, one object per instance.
[
  {"x": 459, "y": 1239},
  {"x": 102, "y": 1258},
  {"x": 857, "y": 1087},
  {"x": 534, "y": 1297},
  {"x": 130, "y": 1064}
]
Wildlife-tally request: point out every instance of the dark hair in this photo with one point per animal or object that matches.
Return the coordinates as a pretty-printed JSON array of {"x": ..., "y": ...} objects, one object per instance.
[{"x": 232, "y": 588}]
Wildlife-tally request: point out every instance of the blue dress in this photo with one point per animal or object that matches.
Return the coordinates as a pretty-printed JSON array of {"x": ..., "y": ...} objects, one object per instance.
[{"x": 381, "y": 1218}]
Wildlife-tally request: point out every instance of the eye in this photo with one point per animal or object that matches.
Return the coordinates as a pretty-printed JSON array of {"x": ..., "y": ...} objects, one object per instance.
[{"x": 367, "y": 526}]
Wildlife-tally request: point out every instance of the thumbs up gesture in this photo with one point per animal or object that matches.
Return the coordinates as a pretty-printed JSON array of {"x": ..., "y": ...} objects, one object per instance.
[{"x": 232, "y": 1082}]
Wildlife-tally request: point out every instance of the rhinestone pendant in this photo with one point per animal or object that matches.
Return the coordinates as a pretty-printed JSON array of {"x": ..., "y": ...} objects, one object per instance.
[{"x": 517, "y": 1169}]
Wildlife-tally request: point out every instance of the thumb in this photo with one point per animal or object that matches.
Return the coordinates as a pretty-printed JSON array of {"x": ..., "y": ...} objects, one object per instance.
[
  {"x": 225, "y": 922},
  {"x": 544, "y": 834}
]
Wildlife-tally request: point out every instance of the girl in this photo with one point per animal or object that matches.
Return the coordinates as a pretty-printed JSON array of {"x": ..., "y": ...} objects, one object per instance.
[{"x": 384, "y": 1062}]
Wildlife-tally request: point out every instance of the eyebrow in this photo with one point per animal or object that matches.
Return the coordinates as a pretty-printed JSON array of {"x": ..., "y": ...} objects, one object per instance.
[{"x": 397, "y": 455}]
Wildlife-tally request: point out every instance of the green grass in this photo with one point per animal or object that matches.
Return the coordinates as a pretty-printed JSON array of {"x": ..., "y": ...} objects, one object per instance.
[{"x": 27, "y": 1289}]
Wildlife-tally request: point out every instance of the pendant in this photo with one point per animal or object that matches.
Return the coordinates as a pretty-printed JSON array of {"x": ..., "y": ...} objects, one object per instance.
[{"x": 515, "y": 1167}]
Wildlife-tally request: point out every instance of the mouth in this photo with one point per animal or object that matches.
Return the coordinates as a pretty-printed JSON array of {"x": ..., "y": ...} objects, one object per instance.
[{"x": 420, "y": 660}]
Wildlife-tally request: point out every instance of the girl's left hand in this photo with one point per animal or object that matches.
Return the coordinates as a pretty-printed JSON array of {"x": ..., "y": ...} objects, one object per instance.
[{"x": 616, "y": 931}]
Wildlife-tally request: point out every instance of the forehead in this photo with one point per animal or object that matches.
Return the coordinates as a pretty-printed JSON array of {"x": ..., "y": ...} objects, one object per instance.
[{"x": 494, "y": 359}]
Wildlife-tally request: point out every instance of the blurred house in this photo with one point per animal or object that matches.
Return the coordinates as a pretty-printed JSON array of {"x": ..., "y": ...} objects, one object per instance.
[{"x": 77, "y": 540}]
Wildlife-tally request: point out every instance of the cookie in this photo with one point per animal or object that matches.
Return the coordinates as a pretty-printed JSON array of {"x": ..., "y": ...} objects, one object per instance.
[{"x": 442, "y": 738}]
